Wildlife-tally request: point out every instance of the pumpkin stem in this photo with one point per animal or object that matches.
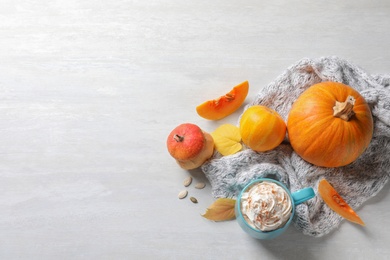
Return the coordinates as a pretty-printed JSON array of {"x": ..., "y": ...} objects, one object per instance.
[
  {"x": 178, "y": 138},
  {"x": 344, "y": 110}
]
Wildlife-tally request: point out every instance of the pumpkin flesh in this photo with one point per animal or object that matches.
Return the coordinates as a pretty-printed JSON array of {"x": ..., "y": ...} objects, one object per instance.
[
  {"x": 323, "y": 139},
  {"x": 224, "y": 105},
  {"x": 333, "y": 199}
]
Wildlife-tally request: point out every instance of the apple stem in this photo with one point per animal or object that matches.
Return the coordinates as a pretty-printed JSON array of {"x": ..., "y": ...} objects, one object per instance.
[{"x": 178, "y": 138}]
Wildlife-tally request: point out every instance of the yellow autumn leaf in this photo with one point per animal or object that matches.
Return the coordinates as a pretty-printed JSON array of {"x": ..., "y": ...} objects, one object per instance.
[
  {"x": 222, "y": 209},
  {"x": 227, "y": 139}
]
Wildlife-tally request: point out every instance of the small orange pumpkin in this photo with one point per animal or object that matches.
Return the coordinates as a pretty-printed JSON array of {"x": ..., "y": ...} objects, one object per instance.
[
  {"x": 330, "y": 125},
  {"x": 262, "y": 128}
]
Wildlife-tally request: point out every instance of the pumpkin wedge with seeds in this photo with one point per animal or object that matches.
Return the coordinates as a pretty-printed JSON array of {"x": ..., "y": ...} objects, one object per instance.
[{"x": 333, "y": 199}]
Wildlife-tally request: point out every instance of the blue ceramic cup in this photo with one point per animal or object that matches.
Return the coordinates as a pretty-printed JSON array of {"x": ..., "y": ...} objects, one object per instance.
[{"x": 296, "y": 198}]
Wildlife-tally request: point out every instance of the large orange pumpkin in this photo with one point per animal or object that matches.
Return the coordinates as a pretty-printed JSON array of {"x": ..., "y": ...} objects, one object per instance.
[
  {"x": 330, "y": 125},
  {"x": 262, "y": 128}
]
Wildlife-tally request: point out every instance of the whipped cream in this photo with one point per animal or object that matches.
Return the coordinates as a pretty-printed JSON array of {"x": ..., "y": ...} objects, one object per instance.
[{"x": 266, "y": 206}]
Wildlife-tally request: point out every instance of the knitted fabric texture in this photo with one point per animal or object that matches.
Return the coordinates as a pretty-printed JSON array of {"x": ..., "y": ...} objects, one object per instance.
[{"x": 356, "y": 182}]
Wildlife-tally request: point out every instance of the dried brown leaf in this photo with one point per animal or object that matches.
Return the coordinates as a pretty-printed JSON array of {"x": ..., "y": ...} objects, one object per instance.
[{"x": 222, "y": 209}]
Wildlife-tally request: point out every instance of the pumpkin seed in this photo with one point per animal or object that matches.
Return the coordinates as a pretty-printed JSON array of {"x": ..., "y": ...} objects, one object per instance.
[
  {"x": 194, "y": 200},
  {"x": 200, "y": 185},
  {"x": 187, "y": 181},
  {"x": 182, "y": 194}
]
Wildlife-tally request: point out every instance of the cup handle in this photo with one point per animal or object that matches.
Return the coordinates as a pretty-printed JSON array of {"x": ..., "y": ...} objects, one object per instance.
[{"x": 303, "y": 195}]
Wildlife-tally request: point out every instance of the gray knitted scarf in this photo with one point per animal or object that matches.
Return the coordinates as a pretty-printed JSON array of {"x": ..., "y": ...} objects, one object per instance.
[{"x": 356, "y": 182}]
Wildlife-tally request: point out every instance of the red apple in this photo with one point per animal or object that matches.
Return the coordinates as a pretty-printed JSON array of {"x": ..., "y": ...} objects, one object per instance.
[{"x": 190, "y": 145}]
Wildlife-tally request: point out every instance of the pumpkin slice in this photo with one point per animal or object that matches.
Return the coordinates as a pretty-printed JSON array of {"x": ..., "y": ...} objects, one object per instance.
[
  {"x": 333, "y": 199},
  {"x": 225, "y": 105}
]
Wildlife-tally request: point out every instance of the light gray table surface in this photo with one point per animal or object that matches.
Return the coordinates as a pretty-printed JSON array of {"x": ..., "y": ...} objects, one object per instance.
[{"x": 89, "y": 91}]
